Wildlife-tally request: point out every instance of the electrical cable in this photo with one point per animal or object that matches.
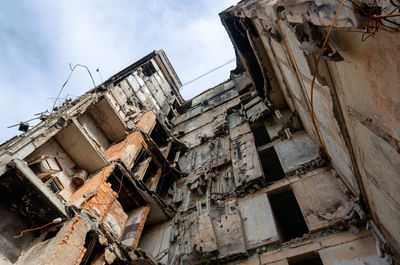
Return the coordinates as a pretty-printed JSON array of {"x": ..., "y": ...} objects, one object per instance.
[
  {"x": 66, "y": 81},
  {"x": 315, "y": 74},
  {"x": 55, "y": 221},
  {"x": 209, "y": 72}
]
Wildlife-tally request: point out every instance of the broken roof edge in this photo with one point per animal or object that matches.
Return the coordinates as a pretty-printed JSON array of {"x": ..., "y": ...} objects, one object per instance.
[{"x": 166, "y": 67}]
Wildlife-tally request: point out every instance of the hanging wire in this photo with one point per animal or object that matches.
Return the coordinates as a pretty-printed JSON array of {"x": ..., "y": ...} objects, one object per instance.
[
  {"x": 209, "y": 72},
  {"x": 69, "y": 76}
]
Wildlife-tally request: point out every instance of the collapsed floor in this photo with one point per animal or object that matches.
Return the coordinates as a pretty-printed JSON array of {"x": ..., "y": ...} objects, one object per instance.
[{"x": 130, "y": 173}]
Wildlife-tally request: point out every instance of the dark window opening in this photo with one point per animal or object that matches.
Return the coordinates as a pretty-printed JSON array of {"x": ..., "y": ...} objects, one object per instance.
[
  {"x": 171, "y": 114},
  {"x": 159, "y": 135},
  {"x": 143, "y": 155},
  {"x": 128, "y": 195},
  {"x": 288, "y": 216},
  {"x": 172, "y": 152},
  {"x": 308, "y": 259},
  {"x": 150, "y": 174},
  {"x": 175, "y": 105},
  {"x": 141, "y": 164},
  {"x": 261, "y": 136},
  {"x": 166, "y": 182},
  {"x": 148, "y": 68},
  {"x": 271, "y": 165}
]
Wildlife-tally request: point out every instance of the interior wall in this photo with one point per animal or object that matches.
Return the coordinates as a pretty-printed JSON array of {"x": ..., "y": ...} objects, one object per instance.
[{"x": 52, "y": 148}]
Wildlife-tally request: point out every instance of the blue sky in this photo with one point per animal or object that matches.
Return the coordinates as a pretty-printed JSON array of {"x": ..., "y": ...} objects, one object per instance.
[{"x": 39, "y": 38}]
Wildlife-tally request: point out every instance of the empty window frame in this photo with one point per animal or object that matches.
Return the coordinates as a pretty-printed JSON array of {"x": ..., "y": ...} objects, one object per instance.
[
  {"x": 45, "y": 166},
  {"x": 173, "y": 155},
  {"x": 148, "y": 68},
  {"x": 159, "y": 135},
  {"x": 171, "y": 114},
  {"x": 260, "y": 133},
  {"x": 128, "y": 195},
  {"x": 271, "y": 165},
  {"x": 140, "y": 159},
  {"x": 150, "y": 175},
  {"x": 288, "y": 216},
  {"x": 55, "y": 185}
]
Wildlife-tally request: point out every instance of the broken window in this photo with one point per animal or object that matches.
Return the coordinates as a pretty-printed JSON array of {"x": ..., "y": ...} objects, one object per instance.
[
  {"x": 181, "y": 109},
  {"x": 44, "y": 166},
  {"x": 173, "y": 154},
  {"x": 127, "y": 192},
  {"x": 260, "y": 133},
  {"x": 150, "y": 175},
  {"x": 55, "y": 185},
  {"x": 166, "y": 180},
  {"x": 307, "y": 259},
  {"x": 148, "y": 68},
  {"x": 171, "y": 114},
  {"x": 139, "y": 162},
  {"x": 288, "y": 216},
  {"x": 271, "y": 165},
  {"x": 159, "y": 135}
]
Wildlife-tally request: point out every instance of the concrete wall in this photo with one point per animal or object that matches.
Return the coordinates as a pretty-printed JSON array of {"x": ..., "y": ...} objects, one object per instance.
[
  {"x": 357, "y": 252},
  {"x": 356, "y": 95}
]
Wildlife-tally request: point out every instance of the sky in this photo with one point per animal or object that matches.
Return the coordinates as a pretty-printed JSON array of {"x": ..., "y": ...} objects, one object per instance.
[{"x": 40, "y": 38}]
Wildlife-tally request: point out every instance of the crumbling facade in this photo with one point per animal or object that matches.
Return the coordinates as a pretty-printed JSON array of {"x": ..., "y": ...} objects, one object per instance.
[{"x": 130, "y": 173}]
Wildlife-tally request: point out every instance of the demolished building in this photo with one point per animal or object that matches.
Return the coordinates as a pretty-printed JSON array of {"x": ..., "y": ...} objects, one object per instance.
[{"x": 287, "y": 162}]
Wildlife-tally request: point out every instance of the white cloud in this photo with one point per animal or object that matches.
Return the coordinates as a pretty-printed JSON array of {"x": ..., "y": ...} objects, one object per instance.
[{"x": 42, "y": 37}]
